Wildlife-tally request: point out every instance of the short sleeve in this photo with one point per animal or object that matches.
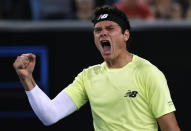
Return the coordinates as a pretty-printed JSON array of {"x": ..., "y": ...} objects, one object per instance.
[
  {"x": 159, "y": 97},
  {"x": 76, "y": 91}
]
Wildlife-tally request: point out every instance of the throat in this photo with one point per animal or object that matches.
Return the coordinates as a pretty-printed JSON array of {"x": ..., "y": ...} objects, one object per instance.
[{"x": 119, "y": 62}]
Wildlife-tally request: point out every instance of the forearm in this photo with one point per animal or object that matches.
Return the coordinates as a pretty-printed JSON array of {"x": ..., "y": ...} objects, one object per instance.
[
  {"x": 50, "y": 111},
  {"x": 28, "y": 83}
]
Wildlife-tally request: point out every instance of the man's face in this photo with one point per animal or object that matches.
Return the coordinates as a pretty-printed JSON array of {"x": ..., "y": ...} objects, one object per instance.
[{"x": 109, "y": 39}]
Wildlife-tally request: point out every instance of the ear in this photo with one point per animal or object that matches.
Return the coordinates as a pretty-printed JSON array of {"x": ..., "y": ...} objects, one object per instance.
[{"x": 126, "y": 35}]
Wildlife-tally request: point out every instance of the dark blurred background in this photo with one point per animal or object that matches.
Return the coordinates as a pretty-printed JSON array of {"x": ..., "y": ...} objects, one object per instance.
[{"x": 62, "y": 39}]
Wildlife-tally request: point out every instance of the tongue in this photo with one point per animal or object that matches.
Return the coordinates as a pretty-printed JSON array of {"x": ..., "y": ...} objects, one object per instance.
[{"x": 106, "y": 48}]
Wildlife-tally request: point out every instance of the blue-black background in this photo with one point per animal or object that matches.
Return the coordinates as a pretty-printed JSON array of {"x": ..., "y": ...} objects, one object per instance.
[{"x": 71, "y": 50}]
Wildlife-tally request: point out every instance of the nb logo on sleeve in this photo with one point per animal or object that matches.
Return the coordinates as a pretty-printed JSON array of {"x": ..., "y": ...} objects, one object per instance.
[
  {"x": 131, "y": 94},
  {"x": 102, "y": 16}
]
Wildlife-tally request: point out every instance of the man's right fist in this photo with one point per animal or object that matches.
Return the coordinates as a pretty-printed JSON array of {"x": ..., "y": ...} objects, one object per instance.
[{"x": 24, "y": 65}]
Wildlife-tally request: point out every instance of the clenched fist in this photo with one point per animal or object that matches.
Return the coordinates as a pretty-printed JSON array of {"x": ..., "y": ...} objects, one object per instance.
[{"x": 24, "y": 66}]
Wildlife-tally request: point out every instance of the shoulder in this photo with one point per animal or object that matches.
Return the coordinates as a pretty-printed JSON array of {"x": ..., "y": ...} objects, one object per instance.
[
  {"x": 142, "y": 63},
  {"x": 93, "y": 70},
  {"x": 149, "y": 75},
  {"x": 146, "y": 69}
]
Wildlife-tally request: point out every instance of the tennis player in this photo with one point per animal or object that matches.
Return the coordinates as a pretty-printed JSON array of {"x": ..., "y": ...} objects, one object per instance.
[{"x": 126, "y": 92}]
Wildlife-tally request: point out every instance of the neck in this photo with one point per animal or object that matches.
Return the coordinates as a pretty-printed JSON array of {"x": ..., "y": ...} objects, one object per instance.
[{"x": 120, "y": 61}]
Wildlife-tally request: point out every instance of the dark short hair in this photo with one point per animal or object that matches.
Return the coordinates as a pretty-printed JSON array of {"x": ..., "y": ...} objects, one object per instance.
[{"x": 114, "y": 11}]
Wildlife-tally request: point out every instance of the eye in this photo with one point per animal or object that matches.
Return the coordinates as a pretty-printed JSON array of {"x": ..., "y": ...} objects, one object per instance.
[
  {"x": 110, "y": 28},
  {"x": 97, "y": 30}
]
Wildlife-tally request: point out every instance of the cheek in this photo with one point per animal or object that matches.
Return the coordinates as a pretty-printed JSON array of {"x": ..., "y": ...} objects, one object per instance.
[
  {"x": 119, "y": 42},
  {"x": 118, "y": 38},
  {"x": 96, "y": 39}
]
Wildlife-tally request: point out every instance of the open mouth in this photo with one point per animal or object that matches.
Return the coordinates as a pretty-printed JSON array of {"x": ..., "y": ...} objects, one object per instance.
[{"x": 106, "y": 45}]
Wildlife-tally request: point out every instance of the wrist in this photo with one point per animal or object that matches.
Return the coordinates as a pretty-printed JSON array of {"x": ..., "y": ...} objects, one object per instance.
[{"x": 28, "y": 83}]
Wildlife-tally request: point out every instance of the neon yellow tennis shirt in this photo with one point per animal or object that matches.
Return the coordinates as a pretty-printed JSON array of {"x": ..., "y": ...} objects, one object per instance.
[{"x": 125, "y": 99}]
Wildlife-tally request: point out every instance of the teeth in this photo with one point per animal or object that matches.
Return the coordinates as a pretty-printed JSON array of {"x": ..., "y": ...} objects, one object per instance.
[{"x": 103, "y": 41}]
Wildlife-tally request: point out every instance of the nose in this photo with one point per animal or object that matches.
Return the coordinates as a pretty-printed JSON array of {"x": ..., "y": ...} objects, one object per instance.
[{"x": 103, "y": 33}]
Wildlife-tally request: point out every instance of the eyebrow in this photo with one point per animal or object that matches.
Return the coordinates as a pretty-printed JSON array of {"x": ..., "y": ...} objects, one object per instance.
[{"x": 105, "y": 27}]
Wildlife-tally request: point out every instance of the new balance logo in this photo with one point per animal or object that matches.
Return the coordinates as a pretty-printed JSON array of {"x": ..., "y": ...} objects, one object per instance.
[
  {"x": 131, "y": 94},
  {"x": 102, "y": 16}
]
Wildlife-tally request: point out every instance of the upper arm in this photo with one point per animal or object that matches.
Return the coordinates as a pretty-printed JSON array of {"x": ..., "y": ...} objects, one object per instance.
[
  {"x": 76, "y": 91},
  {"x": 161, "y": 103},
  {"x": 157, "y": 92},
  {"x": 168, "y": 122}
]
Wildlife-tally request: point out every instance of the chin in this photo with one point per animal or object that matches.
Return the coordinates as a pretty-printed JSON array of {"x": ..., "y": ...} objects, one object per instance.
[{"x": 107, "y": 58}]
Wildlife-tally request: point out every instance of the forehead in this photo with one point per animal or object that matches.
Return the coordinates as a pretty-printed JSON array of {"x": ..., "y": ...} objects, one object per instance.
[{"x": 105, "y": 23}]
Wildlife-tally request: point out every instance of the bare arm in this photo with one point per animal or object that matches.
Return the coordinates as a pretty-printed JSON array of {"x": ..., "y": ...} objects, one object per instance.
[
  {"x": 168, "y": 122},
  {"x": 24, "y": 66}
]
